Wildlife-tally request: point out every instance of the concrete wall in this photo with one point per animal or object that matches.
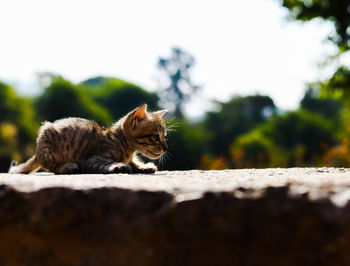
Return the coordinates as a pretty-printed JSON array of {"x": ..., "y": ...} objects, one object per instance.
[{"x": 237, "y": 217}]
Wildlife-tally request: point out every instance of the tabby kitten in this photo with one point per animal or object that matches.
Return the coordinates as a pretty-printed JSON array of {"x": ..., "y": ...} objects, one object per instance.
[{"x": 76, "y": 145}]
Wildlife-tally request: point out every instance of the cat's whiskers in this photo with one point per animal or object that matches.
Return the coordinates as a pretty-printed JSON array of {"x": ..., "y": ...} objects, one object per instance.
[
  {"x": 168, "y": 156},
  {"x": 170, "y": 126},
  {"x": 159, "y": 161},
  {"x": 162, "y": 160}
]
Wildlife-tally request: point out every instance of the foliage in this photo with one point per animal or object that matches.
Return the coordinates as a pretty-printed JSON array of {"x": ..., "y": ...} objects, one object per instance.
[
  {"x": 297, "y": 138},
  {"x": 64, "y": 99},
  {"x": 118, "y": 96},
  {"x": 338, "y": 86},
  {"x": 237, "y": 116},
  {"x": 339, "y": 155},
  {"x": 180, "y": 87},
  {"x": 18, "y": 111},
  {"x": 335, "y": 11},
  {"x": 9, "y": 148},
  {"x": 17, "y": 126},
  {"x": 302, "y": 129},
  {"x": 328, "y": 108},
  {"x": 252, "y": 150}
]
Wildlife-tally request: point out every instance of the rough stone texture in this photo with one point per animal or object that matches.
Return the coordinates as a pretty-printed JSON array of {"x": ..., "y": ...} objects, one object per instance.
[{"x": 235, "y": 217}]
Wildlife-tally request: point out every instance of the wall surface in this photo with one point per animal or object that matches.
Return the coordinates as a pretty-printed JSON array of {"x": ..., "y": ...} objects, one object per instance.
[{"x": 233, "y": 217}]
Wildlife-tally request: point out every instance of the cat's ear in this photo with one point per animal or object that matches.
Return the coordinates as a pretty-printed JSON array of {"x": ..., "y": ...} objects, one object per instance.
[
  {"x": 141, "y": 113},
  {"x": 160, "y": 113}
]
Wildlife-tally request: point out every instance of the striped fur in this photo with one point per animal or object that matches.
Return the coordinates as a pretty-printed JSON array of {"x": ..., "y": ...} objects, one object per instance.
[{"x": 76, "y": 145}]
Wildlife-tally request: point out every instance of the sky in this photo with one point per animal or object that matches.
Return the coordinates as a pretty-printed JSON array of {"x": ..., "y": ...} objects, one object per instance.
[{"x": 240, "y": 47}]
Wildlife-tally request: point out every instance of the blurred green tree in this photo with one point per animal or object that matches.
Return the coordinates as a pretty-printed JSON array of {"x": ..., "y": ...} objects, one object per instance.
[
  {"x": 328, "y": 108},
  {"x": 17, "y": 110},
  {"x": 338, "y": 12},
  {"x": 235, "y": 117},
  {"x": 338, "y": 86},
  {"x": 331, "y": 10},
  {"x": 17, "y": 126},
  {"x": 180, "y": 86},
  {"x": 252, "y": 150},
  {"x": 64, "y": 99},
  {"x": 305, "y": 134},
  {"x": 298, "y": 138},
  {"x": 119, "y": 97}
]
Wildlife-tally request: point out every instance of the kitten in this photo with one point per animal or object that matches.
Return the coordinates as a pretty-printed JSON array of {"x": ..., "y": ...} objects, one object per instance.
[{"x": 76, "y": 145}]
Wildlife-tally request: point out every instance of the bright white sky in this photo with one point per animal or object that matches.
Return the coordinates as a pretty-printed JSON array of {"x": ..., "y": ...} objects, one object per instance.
[{"x": 241, "y": 47}]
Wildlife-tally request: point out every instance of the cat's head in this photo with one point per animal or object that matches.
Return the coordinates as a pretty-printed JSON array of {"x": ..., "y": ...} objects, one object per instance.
[{"x": 147, "y": 131}]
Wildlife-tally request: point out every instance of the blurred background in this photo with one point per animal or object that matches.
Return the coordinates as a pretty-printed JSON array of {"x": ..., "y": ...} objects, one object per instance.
[{"x": 248, "y": 84}]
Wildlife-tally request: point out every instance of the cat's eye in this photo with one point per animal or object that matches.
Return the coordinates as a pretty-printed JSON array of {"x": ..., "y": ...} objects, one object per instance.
[{"x": 156, "y": 137}]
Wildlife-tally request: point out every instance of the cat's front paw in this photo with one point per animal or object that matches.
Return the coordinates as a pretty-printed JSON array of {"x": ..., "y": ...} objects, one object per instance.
[
  {"x": 149, "y": 168},
  {"x": 120, "y": 168}
]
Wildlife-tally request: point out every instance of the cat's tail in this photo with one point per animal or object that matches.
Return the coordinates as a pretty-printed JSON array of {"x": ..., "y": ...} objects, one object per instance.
[{"x": 24, "y": 168}]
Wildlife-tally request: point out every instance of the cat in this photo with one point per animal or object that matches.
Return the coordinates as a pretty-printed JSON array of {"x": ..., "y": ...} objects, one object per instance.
[{"x": 77, "y": 145}]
